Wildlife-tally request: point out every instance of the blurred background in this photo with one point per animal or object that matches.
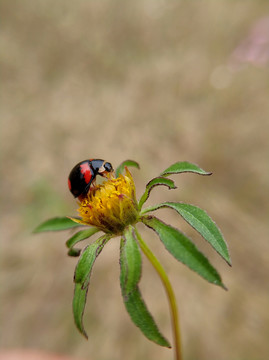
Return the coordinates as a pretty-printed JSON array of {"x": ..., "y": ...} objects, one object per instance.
[{"x": 158, "y": 82}]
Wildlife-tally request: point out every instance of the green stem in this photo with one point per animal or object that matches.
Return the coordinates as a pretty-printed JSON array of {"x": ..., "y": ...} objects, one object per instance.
[{"x": 169, "y": 291}]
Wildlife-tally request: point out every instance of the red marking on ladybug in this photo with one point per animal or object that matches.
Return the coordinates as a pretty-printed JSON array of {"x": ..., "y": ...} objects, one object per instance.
[
  {"x": 86, "y": 170},
  {"x": 84, "y": 174}
]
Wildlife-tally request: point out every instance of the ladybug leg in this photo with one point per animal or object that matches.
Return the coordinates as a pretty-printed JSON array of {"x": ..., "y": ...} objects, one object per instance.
[
  {"x": 93, "y": 184},
  {"x": 106, "y": 174},
  {"x": 88, "y": 188},
  {"x": 81, "y": 197}
]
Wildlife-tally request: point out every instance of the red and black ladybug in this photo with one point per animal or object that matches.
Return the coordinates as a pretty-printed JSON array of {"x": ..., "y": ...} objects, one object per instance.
[{"x": 84, "y": 173}]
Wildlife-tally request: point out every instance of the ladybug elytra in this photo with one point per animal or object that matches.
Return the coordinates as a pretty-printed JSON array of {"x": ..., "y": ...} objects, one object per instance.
[{"x": 84, "y": 174}]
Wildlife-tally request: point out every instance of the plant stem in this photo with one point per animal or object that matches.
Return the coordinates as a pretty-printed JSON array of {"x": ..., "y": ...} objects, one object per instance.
[{"x": 170, "y": 294}]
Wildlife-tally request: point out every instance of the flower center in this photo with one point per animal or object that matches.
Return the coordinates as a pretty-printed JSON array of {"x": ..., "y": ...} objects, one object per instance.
[{"x": 112, "y": 205}]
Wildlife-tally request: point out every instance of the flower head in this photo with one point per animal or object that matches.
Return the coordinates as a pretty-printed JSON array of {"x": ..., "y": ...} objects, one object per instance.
[{"x": 112, "y": 205}]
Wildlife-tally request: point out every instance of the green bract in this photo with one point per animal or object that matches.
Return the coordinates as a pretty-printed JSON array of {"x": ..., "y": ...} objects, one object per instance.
[{"x": 131, "y": 245}]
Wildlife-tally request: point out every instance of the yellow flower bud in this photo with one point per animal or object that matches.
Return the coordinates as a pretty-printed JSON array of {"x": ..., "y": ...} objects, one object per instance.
[{"x": 111, "y": 206}]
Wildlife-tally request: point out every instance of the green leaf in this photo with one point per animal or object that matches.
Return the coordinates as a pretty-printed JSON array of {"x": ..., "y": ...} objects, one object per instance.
[
  {"x": 79, "y": 236},
  {"x": 79, "y": 302},
  {"x": 155, "y": 182},
  {"x": 127, "y": 163},
  {"x": 201, "y": 222},
  {"x": 87, "y": 259},
  {"x": 130, "y": 261},
  {"x": 74, "y": 252},
  {"x": 82, "y": 279},
  {"x": 142, "y": 318},
  {"x": 56, "y": 224},
  {"x": 184, "y": 166},
  {"x": 183, "y": 249}
]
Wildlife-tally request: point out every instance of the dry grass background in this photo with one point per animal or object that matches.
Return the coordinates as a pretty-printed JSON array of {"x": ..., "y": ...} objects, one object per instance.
[{"x": 142, "y": 80}]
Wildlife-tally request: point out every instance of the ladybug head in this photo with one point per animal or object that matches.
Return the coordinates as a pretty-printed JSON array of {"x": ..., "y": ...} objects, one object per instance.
[{"x": 108, "y": 167}]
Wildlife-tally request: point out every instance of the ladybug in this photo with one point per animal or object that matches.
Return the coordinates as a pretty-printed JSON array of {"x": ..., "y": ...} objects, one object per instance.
[{"x": 84, "y": 174}]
